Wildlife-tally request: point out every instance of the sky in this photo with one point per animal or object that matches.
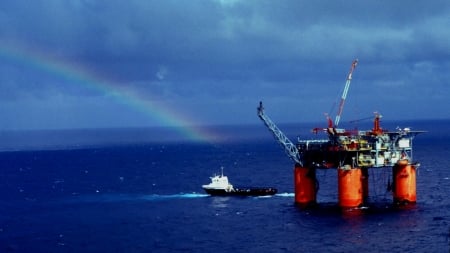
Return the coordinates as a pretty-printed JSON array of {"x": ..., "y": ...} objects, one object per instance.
[{"x": 113, "y": 63}]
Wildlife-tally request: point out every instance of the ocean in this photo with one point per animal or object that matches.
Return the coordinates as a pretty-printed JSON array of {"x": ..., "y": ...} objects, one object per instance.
[{"x": 129, "y": 190}]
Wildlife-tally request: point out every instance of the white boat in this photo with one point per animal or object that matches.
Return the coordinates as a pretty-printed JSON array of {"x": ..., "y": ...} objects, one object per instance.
[{"x": 220, "y": 186}]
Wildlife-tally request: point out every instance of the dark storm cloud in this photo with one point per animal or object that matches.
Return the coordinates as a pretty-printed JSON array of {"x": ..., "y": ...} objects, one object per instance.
[
  {"x": 192, "y": 35},
  {"x": 232, "y": 53}
]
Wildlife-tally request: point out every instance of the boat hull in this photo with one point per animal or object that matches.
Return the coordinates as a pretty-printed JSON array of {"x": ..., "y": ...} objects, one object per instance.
[{"x": 242, "y": 192}]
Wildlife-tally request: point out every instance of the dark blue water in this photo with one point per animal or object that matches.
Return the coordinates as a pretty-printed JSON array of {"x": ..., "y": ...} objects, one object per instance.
[{"x": 146, "y": 196}]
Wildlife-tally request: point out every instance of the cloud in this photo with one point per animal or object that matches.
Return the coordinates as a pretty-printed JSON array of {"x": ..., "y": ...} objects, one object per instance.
[
  {"x": 162, "y": 73},
  {"x": 209, "y": 56}
]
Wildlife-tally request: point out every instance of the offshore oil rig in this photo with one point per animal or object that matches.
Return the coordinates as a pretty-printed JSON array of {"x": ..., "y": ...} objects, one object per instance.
[{"x": 352, "y": 153}]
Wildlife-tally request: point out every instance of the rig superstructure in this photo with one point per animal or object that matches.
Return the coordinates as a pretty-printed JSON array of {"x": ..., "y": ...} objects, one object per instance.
[{"x": 352, "y": 153}]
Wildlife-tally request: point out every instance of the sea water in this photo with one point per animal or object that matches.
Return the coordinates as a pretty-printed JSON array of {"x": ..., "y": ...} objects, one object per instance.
[{"x": 126, "y": 193}]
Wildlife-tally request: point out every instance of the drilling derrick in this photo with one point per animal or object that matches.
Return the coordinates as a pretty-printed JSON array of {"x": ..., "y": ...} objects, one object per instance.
[{"x": 352, "y": 153}]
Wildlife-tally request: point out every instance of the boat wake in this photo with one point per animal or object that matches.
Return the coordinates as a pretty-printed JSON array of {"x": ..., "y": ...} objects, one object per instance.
[
  {"x": 285, "y": 194},
  {"x": 174, "y": 196},
  {"x": 131, "y": 197},
  {"x": 152, "y": 197}
]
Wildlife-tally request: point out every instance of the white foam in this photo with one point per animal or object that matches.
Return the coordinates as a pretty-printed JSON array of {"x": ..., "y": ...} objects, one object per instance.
[
  {"x": 285, "y": 194},
  {"x": 98, "y": 197},
  {"x": 173, "y": 196}
]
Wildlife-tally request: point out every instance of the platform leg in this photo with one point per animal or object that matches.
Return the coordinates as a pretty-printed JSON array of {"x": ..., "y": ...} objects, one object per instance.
[
  {"x": 350, "y": 186},
  {"x": 404, "y": 182},
  {"x": 305, "y": 185}
]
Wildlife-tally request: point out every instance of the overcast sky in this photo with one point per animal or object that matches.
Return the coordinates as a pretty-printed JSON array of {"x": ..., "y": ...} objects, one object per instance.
[{"x": 88, "y": 64}]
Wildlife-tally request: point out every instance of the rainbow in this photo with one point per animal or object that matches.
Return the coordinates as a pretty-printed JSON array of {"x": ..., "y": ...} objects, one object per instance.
[{"x": 160, "y": 113}]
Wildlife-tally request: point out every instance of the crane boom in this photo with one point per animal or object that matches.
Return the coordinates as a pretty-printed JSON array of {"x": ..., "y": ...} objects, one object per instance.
[
  {"x": 289, "y": 147},
  {"x": 344, "y": 94}
]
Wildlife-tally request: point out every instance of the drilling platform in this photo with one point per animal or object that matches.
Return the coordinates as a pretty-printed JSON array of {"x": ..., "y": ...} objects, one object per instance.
[{"x": 352, "y": 153}]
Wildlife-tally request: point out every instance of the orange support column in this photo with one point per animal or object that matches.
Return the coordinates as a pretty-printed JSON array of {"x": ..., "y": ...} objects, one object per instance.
[
  {"x": 305, "y": 185},
  {"x": 350, "y": 187},
  {"x": 404, "y": 182}
]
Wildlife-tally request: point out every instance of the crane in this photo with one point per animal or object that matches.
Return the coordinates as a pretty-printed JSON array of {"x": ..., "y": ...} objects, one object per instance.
[
  {"x": 344, "y": 94},
  {"x": 289, "y": 147}
]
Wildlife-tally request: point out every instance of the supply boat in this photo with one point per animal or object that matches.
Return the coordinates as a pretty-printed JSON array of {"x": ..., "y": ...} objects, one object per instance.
[{"x": 220, "y": 186}]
